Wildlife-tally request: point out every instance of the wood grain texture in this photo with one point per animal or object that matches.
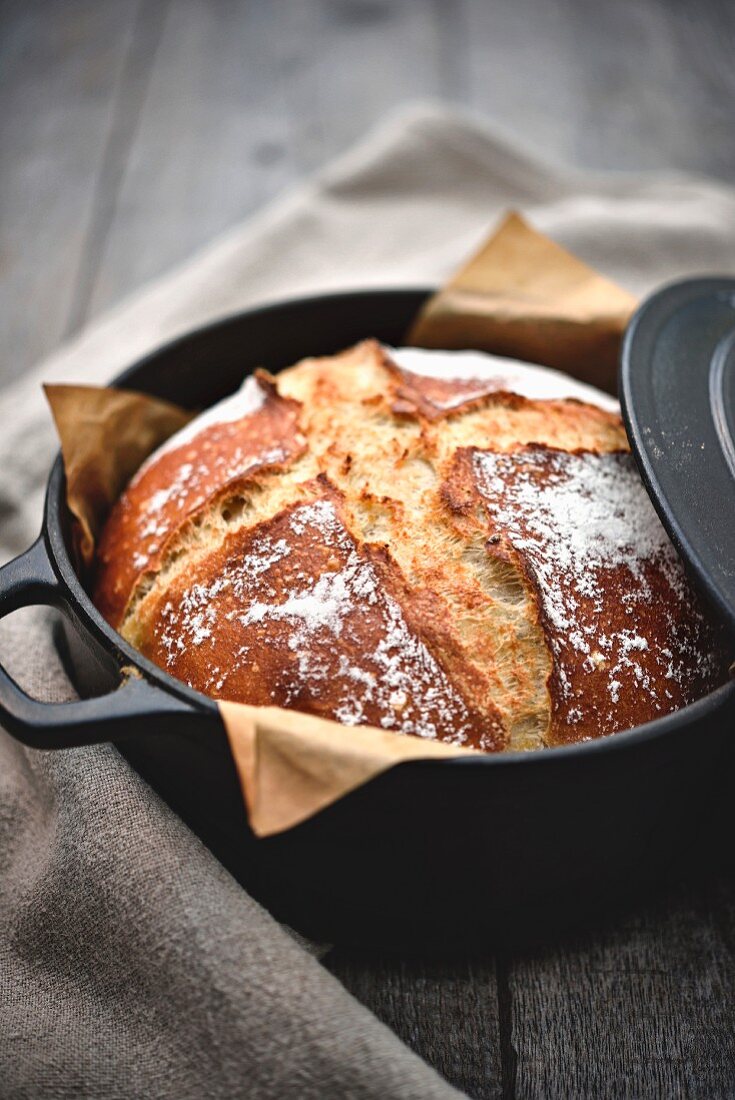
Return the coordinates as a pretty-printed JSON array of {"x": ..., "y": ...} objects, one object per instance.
[
  {"x": 639, "y": 1006},
  {"x": 59, "y": 71},
  {"x": 449, "y": 1009},
  {"x": 645, "y": 1009},
  {"x": 134, "y": 130},
  {"x": 628, "y": 85},
  {"x": 215, "y": 141},
  {"x": 130, "y": 93}
]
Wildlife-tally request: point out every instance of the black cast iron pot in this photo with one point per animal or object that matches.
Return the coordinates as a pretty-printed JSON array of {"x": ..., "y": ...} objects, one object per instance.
[{"x": 436, "y": 854}]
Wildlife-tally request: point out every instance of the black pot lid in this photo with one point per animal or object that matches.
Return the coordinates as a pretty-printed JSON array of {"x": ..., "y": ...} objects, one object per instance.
[{"x": 677, "y": 389}]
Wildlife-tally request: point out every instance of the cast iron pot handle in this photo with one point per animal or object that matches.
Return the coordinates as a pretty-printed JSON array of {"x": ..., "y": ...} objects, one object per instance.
[{"x": 136, "y": 707}]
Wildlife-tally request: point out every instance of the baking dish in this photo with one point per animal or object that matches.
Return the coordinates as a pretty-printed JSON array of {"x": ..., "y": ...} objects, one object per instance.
[{"x": 434, "y": 855}]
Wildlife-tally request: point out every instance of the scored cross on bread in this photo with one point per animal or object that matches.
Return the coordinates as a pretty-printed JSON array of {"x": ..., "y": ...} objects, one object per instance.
[{"x": 447, "y": 545}]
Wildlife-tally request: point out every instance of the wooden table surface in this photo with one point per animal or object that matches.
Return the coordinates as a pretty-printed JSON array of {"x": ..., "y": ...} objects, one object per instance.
[{"x": 135, "y": 130}]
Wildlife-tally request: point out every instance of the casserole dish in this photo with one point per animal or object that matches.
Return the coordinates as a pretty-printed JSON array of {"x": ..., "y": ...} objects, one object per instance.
[{"x": 432, "y": 854}]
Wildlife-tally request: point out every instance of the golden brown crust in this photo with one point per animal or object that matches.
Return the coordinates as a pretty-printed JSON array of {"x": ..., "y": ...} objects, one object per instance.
[
  {"x": 430, "y": 554},
  {"x": 181, "y": 482},
  {"x": 627, "y": 634},
  {"x": 308, "y": 619},
  {"x": 436, "y": 398}
]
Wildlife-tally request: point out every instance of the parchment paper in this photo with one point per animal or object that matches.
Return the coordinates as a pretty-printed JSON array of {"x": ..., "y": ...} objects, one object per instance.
[{"x": 524, "y": 296}]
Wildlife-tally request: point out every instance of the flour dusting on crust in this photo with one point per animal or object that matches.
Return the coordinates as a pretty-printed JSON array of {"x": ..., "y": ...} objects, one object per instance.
[
  {"x": 303, "y": 609},
  {"x": 253, "y": 430},
  {"x": 248, "y": 399},
  {"x": 621, "y": 618},
  {"x": 482, "y": 373}
]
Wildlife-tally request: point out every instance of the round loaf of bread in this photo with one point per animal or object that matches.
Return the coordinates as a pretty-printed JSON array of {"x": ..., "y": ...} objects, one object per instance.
[{"x": 443, "y": 544}]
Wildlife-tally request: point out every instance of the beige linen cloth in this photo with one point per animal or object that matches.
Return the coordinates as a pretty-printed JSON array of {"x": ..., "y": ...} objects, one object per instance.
[{"x": 131, "y": 964}]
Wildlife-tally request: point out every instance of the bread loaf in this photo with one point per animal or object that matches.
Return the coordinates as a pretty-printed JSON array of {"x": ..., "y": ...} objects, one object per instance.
[{"x": 449, "y": 545}]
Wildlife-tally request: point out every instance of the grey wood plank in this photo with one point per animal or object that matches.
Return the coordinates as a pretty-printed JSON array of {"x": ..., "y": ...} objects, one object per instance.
[
  {"x": 644, "y": 1009},
  {"x": 244, "y": 99},
  {"x": 59, "y": 64},
  {"x": 129, "y": 97},
  {"x": 448, "y": 1012},
  {"x": 215, "y": 141},
  {"x": 350, "y": 62},
  {"x": 628, "y": 85}
]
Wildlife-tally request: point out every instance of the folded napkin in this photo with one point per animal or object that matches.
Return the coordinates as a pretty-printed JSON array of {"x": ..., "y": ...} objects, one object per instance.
[{"x": 131, "y": 964}]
